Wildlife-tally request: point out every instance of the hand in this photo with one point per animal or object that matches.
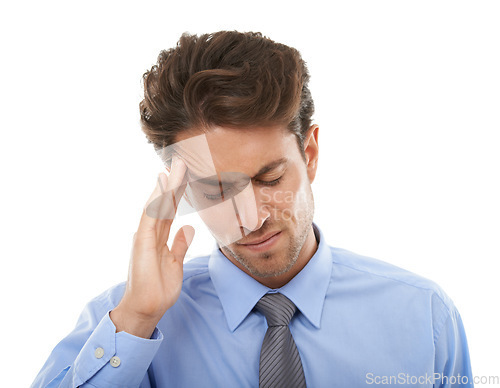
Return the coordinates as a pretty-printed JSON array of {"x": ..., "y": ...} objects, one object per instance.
[{"x": 155, "y": 273}]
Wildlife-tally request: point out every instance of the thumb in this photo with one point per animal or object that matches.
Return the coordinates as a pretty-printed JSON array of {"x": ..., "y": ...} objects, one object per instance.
[{"x": 182, "y": 241}]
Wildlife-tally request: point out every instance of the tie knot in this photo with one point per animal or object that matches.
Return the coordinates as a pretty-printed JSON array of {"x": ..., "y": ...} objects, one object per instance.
[{"x": 277, "y": 309}]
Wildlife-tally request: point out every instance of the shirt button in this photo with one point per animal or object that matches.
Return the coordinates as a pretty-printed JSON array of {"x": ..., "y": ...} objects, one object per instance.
[
  {"x": 99, "y": 352},
  {"x": 115, "y": 361}
]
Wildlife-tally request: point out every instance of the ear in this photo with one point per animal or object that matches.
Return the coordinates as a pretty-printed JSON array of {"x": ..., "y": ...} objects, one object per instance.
[{"x": 311, "y": 150}]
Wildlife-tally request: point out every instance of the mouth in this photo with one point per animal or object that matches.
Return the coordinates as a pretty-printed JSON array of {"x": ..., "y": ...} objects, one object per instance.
[{"x": 262, "y": 243}]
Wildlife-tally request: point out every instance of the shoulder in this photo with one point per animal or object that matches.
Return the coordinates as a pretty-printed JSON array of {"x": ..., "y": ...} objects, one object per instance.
[
  {"x": 389, "y": 275},
  {"x": 195, "y": 267}
]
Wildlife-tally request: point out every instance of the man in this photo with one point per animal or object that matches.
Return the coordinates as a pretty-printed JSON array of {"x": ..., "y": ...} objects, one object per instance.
[{"x": 273, "y": 305}]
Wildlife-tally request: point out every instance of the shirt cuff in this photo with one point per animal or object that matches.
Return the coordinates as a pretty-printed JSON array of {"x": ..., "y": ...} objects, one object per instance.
[{"x": 116, "y": 359}]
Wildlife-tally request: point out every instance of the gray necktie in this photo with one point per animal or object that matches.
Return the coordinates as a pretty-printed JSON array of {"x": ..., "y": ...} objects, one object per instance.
[{"x": 280, "y": 364}]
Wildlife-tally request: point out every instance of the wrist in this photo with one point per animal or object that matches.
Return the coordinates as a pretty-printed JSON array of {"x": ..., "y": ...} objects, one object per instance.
[{"x": 131, "y": 323}]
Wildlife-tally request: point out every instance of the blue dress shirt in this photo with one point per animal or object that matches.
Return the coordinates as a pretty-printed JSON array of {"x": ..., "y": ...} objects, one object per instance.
[{"x": 360, "y": 322}]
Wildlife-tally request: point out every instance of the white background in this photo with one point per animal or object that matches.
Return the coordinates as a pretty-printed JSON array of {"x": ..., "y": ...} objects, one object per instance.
[{"x": 407, "y": 98}]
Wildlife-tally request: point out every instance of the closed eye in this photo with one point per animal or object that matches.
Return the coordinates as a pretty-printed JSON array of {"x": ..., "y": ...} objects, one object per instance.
[
  {"x": 270, "y": 183},
  {"x": 227, "y": 192},
  {"x": 212, "y": 197}
]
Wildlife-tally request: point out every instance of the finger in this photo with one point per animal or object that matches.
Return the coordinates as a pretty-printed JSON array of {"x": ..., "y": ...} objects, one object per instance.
[
  {"x": 174, "y": 185},
  {"x": 182, "y": 241},
  {"x": 165, "y": 212},
  {"x": 148, "y": 219},
  {"x": 160, "y": 204},
  {"x": 159, "y": 210},
  {"x": 163, "y": 226},
  {"x": 177, "y": 173},
  {"x": 195, "y": 152}
]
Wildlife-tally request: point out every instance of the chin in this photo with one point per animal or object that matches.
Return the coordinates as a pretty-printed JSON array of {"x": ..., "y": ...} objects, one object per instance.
[
  {"x": 267, "y": 264},
  {"x": 272, "y": 272}
]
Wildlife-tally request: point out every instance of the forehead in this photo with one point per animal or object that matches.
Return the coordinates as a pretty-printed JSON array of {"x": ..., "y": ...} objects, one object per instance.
[{"x": 246, "y": 150}]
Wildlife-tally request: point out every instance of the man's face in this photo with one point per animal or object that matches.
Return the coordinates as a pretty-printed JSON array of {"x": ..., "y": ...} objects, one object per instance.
[{"x": 267, "y": 188}]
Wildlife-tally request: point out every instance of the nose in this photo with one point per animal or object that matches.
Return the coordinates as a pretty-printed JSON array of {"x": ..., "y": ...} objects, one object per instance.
[{"x": 251, "y": 209}]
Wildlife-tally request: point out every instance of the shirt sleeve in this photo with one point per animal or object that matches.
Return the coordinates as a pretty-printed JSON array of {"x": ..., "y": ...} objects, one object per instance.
[
  {"x": 452, "y": 360},
  {"x": 94, "y": 355}
]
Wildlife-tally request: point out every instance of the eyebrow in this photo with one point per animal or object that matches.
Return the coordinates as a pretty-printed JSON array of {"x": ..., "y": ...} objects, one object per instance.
[
  {"x": 271, "y": 166},
  {"x": 267, "y": 168}
]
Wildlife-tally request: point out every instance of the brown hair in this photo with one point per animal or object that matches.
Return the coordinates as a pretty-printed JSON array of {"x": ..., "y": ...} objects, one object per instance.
[{"x": 227, "y": 79}]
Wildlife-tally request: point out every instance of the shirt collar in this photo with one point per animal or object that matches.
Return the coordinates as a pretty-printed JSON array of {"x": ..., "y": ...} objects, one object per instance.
[{"x": 239, "y": 292}]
